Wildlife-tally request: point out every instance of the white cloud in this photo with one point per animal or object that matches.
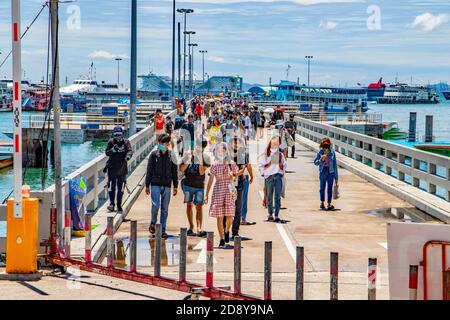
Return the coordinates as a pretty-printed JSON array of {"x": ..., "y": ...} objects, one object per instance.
[
  {"x": 106, "y": 55},
  {"x": 328, "y": 25},
  {"x": 216, "y": 59},
  {"x": 429, "y": 22}
]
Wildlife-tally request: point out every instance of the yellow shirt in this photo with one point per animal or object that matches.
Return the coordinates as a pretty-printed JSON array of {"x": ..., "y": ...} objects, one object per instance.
[{"x": 214, "y": 132}]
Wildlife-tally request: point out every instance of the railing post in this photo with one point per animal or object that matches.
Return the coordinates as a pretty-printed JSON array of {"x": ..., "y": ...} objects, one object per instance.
[
  {"x": 447, "y": 285},
  {"x": 372, "y": 279},
  {"x": 183, "y": 254},
  {"x": 413, "y": 280},
  {"x": 268, "y": 270},
  {"x": 88, "y": 238},
  {"x": 110, "y": 243},
  {"x": 300, "y": 268},
  {"x": 158, "y": 244},
  {"x": 334, "y": 272},
  {"x": 67, "y": 233},
  {"x": 237, "y": 265},
  {"x": 133, "y": 246},
  {"x": 210, "y": 259}
]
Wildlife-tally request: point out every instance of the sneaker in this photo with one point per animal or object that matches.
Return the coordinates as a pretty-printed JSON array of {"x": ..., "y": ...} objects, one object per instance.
[
  {"x": 322, "y": 207},
  {"x": 201, "y": 234},
  {"x": 227, "y": 237},
  {"x": 164, "y": 235},
  {"x": 120, "y": 211},
  {"x": 277, "y": 220},
  {"x": 270, "y": 218},
  {"x": 152, "y": 229},
  {"x": 111, "y": 208},
  {"x": 191, "y": 233},
  {"x": 330, "y": 207},
  {"x": 222, "y": 243}
]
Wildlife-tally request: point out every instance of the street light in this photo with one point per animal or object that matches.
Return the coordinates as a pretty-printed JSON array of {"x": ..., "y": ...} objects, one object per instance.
[
  {"x": 192, "y": 45},
  {"x": 185, "y": 12},
  {"x": 118, "y": 70},
  {"x": 203, "y": 59},
  {"x": 188, "y": 33},
  {"x": 309, "y": 68}
]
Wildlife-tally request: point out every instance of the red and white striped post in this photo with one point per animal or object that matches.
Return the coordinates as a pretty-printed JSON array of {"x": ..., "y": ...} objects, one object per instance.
[
  {"x": 210, "y": 259},
  {"x": 110, "y": 243},
  {"x": 17, "y": 107},
  {"x": 237, "y": 265},
  {"x": 158, "y": 252},
  {"x": 88, "y": 238},
  {"x": 372, "y": 279},
  {"x": 334, "y": 273},
  {"x": 413, "y": 281},
  {"x": 67, "y": 233}
]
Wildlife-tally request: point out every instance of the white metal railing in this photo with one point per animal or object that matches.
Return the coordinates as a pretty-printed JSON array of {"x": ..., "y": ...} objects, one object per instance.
[
  {"x": 426, "y": 171},
  {"x": 340, "y": 118},
  {"x": 76, "y": 121}
]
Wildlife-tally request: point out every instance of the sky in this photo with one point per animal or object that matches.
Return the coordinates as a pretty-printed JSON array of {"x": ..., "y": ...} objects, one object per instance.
[{"x": 352, "y": 41}]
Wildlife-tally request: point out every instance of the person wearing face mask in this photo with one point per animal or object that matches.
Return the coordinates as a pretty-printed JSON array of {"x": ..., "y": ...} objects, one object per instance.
[
  {"x": 328, "y": 169},
  {"x": 272, "y": 166},
  {"x": 119, "y": 152},
  {"x": 162, "y": 174},
  {"x": 223, "y": 203}
]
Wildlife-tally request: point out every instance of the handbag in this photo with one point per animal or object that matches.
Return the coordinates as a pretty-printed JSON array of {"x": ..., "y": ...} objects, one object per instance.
[{"x": 336, "y": 192}]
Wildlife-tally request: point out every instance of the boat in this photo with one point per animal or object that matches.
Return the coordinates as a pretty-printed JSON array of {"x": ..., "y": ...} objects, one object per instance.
[
  {"x": 391, "y": 131},
  {"x": 442, "y": 149},
  {"x": 401, "y": 93},
  {"x": 334, "y": 99},
  {"x": 375, "y": 90},
  {"x": 6, "y": 155}
]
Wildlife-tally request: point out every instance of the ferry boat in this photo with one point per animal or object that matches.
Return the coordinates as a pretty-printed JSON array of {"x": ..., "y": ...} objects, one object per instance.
[
  {"x": 375, "y": 90},
  {"x": 333, "y": 99},
  {"x": 401, "y": 93}
]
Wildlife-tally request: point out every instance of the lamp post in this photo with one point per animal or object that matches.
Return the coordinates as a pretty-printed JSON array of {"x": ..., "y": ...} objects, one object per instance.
[
  {"x": 203, "y": 59},
  {"x": 118, "y": 70},
  {"x": 309, "y": 68},
  {"x": 173, "y": 52},
  {"x": 188, "y": 33},
  {"x": 185, "y": 12},
  {"x": 193, "y": 45}
]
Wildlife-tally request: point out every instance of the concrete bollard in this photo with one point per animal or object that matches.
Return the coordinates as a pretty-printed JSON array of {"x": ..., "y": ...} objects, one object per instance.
[
  {"x": 110, "y": 243},
  {"x": 300, "y": 270},
  {"x": 268, "y": 270},
  {"x": 158, "y": 244},
  {"x": 210, "y": 259},
  {"x": 334, "y": 273},
  {"x": 67, "y": 233},
  {"x": 183, "y": 254},
  {"x": 133, "y": 246},
  {"x": 88, "y": 238},
  {"x": 237, "y": 265},
  {"x": 413, "y": 281},
  {"x": 372, "y": 279}
]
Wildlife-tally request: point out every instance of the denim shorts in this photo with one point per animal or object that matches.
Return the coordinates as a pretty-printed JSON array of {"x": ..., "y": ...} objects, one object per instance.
[{"x": 194, "y": 195}]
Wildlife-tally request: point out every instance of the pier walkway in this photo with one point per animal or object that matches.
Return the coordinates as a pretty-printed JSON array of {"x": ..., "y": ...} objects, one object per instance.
[{"x": 357, "y": 232}]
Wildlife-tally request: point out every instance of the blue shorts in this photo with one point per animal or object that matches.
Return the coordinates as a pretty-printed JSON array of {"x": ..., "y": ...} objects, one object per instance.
[{"x": 194, "y": 195}]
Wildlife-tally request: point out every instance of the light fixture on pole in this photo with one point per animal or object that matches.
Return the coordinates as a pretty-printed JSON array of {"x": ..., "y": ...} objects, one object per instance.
[
  {"x": 118, "y": 70},
  {"x": 193, "y": 45},
  {"x": 309, "y": 68},
  {"x": 185, "y": 12},
  {"x": 203, "y": 52}
]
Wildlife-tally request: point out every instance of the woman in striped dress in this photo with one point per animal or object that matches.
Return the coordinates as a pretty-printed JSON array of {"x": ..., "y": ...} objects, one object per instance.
[{"x": 224, "y": 171}]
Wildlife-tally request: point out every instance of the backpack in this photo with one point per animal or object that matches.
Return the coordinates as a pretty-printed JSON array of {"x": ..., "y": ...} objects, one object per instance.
[{"x": 179, "y": 121}]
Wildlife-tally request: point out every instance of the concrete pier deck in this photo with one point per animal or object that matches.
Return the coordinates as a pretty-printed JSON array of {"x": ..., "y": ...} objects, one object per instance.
[{"x": 357, "y": 232}]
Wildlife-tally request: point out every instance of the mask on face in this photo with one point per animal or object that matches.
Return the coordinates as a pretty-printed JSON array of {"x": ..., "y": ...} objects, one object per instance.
[{"x": 162, "y": 147}]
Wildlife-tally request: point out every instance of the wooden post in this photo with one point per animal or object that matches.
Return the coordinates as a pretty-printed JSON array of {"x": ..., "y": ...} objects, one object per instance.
[
  {"x": 237, "y": 265},
  {"x": 300, "y": 270}
]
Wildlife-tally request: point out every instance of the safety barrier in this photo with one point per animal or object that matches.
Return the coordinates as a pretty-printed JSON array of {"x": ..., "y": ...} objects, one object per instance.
[
  {"x": 444, "y": 268},
  {"x": 342, "y": 118},
  {"x": 61, "y": 258}
]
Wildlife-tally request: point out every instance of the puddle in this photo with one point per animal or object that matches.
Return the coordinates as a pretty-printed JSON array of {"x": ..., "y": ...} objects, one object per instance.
[{"x": 408, "y": 215}]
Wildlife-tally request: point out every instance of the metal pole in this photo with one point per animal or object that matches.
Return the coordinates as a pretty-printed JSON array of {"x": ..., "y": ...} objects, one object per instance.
[
  {"x": 179, "y": 59},
  {"x": 184, "y": 57},
  {"x": 67, "y": 233},
  {"x": 17, "y": 106},
  {"x": 334, "y": 267},
  {"x": 210, "y": 259},
  {"x": 133, "y": 246},
  {"x": 413, "y": 280},
  {"x": 183, "y": 254},
  {"x": 56, "y": 108},
  {"x": 237, "y": 265},
  {"x": 173, "y": 53},
  {"x": 192, "y": 72},
  {"x": 190, "y": 63},
  {"x": 300, "y": 264},
  {"x": 88, "y": 239},
  {"x": 372, "y": 279},
  {"x": 110, "y": 243},
  {"x": 158, "y": 243},
  {"x": 133, "y": 76},
  {"x": 268, "y": 270}
]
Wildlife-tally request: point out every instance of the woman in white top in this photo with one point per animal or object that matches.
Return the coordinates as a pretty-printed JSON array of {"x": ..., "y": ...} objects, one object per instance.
[{"x": 272, "y": 166}]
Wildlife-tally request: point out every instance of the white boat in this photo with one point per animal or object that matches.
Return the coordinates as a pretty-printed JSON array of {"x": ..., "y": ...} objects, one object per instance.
[{"x": 93, "y": 87}]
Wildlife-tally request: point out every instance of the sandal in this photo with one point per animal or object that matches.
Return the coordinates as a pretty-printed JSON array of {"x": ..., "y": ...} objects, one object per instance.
[{"x": 330, "y": 208}]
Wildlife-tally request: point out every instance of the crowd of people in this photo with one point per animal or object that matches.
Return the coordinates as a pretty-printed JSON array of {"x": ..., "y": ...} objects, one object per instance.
[{"x": 205, "y": 151}]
